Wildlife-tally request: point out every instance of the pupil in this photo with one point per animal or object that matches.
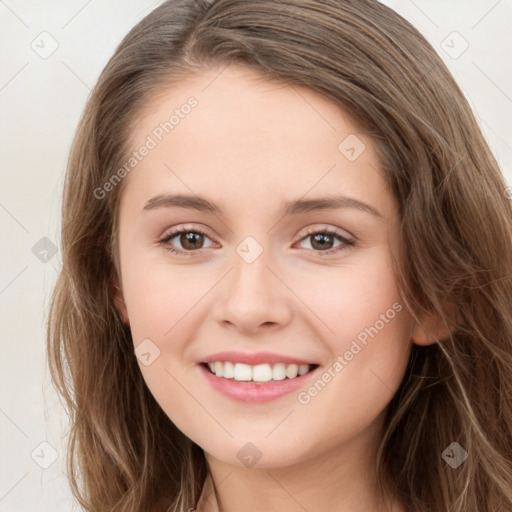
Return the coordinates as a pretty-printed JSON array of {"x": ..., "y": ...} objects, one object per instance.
[
  {"x": 322, "y": 240},
  {"x": 189, "y": 240}
]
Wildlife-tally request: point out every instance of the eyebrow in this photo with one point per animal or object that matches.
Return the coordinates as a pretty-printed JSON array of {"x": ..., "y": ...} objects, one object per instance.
[{"x": 294, "y": 207}]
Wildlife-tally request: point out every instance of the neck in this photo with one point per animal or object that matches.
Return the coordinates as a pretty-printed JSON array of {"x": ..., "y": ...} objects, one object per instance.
[{"x": 339, "y": 478}]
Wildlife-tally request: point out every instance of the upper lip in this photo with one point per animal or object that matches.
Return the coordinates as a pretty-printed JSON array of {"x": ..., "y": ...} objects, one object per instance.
[{"x": 253, "y": 358}]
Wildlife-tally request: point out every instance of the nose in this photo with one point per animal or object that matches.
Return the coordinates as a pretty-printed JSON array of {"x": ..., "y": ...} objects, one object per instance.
[{"x": 253, "y": 297}]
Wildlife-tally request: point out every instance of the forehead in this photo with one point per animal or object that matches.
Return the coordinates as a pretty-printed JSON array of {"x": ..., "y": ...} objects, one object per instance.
[{"x": 248, "y": 136}]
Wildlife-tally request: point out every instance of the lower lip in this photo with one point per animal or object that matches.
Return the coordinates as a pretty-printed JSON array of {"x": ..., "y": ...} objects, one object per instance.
[{"x": 254, "y": 393}]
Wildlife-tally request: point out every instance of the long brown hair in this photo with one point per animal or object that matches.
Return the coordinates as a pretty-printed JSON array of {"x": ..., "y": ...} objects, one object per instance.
[{"x": 456, "y": 262}]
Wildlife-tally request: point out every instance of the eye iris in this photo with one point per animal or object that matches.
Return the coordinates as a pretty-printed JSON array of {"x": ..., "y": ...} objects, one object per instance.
[
  {"x": 188, "y": 239},
  {"x": 191, "y": 240},
  {"x": 323, "y": 240}
]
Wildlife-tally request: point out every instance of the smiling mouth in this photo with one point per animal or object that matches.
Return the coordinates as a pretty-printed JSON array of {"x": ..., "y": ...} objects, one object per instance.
[{"x": 258, "y": 374}]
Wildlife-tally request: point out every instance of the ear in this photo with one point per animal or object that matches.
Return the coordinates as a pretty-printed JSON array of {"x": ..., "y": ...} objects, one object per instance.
[
  {"x": 119, "y": 302},
  {"x": 429, "y": 330}
]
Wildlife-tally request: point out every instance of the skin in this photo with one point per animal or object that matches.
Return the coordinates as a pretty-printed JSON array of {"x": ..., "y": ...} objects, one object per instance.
[{"x": 250, "y": 145}]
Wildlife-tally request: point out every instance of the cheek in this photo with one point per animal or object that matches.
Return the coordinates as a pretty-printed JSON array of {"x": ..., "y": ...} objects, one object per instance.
[
  {"x": 351, "y": 299},
  {"x": 160, "y": 296},
  {"x": 369, "y": 342}
]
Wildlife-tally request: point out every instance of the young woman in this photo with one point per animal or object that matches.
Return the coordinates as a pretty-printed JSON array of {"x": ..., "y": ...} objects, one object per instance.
[{"x": 286, "y": 282}]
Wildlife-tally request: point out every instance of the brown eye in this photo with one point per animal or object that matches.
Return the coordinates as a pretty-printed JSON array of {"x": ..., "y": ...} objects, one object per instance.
[
  {"x": 190, "y": 240},
  {"x": 322, "y": 242}
]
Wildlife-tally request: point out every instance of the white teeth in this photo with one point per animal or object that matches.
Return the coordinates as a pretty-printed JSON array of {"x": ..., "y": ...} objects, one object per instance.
[
  {"x": 292, "y": 370},
  {"x": 229, "y": 370},
  {"x": 303, "y": 369},
  {"x": 219, "y": 369},
  {"x": 241, "y": 372},
  {"x": 279, "y": 372},
  {"x": 262, "y": 373},
  {"x": 258, "y": 373}
]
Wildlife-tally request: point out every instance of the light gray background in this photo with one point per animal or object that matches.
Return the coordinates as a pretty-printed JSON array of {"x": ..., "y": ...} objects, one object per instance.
[{"x": 41, "y": 98}]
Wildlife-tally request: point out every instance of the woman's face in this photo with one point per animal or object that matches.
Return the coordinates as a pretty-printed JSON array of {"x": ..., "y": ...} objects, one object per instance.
[{"x": 284, "y": 261}]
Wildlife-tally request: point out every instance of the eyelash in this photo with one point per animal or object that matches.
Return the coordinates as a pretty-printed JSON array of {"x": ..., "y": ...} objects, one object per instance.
[{"x": 346, "y": 242}]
